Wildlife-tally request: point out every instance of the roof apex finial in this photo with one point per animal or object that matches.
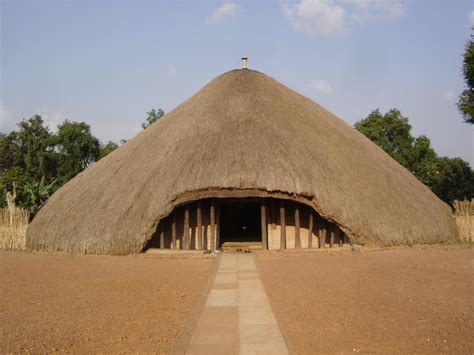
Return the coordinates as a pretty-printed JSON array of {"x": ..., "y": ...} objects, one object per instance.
[{"x": 245, "y": 63}]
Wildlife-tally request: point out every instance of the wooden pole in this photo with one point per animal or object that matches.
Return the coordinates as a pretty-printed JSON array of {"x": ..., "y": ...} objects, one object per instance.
[
  {"x": 339, "y": 236},
  {"x": 317, "y": 228},
  {"x": 186, "y": 239},
  {"x": 263, "y": 222},
  {"x": 213, "y": 222},
  {"x": 322, "y": 234},
  {"x": 199, "y": 225},
  {"x": 173, "y": 231},
  {"x": 331, "y": 230},
  {"x": 162, "y": 235},
  {"x": 297, "y": 228},
  {"x": 282, "y": 226},
  {"x": 218, "y": 225},
  {"x": 310, "y": 230}
]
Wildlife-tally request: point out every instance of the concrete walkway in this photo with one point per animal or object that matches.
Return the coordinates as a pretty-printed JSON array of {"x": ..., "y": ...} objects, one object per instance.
[{"x": 237, "y": 318}]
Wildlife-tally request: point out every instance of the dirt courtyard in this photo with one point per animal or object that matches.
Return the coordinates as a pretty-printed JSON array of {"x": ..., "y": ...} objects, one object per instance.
[
  {"x": 99, "y": 304},
  {"x": 416, "y": 300},
  {"x": 413, "y": 300}
]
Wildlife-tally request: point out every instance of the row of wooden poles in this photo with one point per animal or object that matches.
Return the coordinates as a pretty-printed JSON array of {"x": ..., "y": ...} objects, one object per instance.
[
  {"x": 324, "y": 229},
  {"x": 186, "y": 240}
]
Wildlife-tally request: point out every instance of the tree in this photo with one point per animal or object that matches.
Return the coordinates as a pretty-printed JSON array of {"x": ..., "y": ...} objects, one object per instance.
[
  {"x": 106, "y": 149},
  {"x": 38, "y": 162},
  {"x": 153, "y": 116},
  {"x": 457, "y": 180},
  {"x": 9, "y": 151},
  {"x": 466, "y": 99},
  {"x": 392, "y": 133},
  {"x": 35, "y": 153},
  {"x": 76, "y": 149},
  {"x": 26, "y": 155},
  {"x": 425, "y": 164},
  {"x": 448, "y": 178},
  {"x": 14, "y": 175}
]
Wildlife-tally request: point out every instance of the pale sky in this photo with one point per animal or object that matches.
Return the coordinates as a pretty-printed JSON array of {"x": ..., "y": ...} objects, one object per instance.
[{"x": 108, "y": 62}]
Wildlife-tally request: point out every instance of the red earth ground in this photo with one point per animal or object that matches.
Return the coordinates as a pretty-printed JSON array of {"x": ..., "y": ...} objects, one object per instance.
[
  {"x": 96, "y": 304},
  {"x": 414, "y": 300}
]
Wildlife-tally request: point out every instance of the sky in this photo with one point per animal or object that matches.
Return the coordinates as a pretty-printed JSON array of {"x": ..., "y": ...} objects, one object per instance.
[{"x": 108, "y": 62}]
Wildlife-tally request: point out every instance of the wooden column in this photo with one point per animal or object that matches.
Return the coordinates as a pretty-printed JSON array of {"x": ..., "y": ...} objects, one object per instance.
[
  {"x": 323, "y": 232},
  {"x": 173, "y": 231},
  {"x": 297, "y": 228},
  {"x": 218, "y": 225},
  {"x": 213, "y": 222},
  {"x": 331, "y": 238},
  {"x": 199, "y": 226},
  {"x": 186, "y": 239},
  {"x": 162, "y": 235},
  {"x": 317, "y": 227},
  {"x": 337, "y": 235},
  {"x": 310, "y": 229},
  {"x": 282, "y": 226},
  {"x": 263, "y": 222}
]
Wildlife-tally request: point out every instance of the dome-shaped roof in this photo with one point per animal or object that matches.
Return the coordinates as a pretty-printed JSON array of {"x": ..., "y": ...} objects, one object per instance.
[{"x": 243, "y": 134}]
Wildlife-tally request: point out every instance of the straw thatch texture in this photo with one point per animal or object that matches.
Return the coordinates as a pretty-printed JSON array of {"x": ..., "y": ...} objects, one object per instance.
[
  {"x": 464, "y": 214},
  {"x": 243, "y": 134},
  {"x": 13, "y": 226}
]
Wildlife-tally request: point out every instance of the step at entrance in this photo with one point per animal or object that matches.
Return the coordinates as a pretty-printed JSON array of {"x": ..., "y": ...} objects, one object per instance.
[{"x": 241, "y": 245}]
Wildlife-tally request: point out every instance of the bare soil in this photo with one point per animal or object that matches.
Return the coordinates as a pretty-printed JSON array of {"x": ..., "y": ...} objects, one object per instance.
[
  {"x": 96, "y": 303},
  {"x": 414, "y": 300}
]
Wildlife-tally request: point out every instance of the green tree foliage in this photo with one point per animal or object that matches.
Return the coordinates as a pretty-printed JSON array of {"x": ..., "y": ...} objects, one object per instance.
[
  {"x": 448, "y": 178},
  {"x": 38, "y": 162},
  {"x": 26, "y": 155},
  {"x": 466, "y": 99},
  {"x": 424, "y": 163},
  {"x": 75, "y": 147},
  {"x": 457, "y": 180},
  {"x": 36, "y": 193},
  {"x": 153, "y": 116},
  {"x": 35, "y": 153},
  {"x": 391, "y": 132},
  {"x": 106, "y": 149}
]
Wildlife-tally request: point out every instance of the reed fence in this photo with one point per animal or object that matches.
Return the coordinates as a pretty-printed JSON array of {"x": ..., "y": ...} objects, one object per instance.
[
  {"x": 13, "y": 225},
  {"x": 464, "y": 214}
]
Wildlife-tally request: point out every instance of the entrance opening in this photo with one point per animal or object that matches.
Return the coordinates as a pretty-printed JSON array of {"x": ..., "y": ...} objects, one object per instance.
[
  {"x": 237, "y": 223},
  {"x": 240, "y": 221}
]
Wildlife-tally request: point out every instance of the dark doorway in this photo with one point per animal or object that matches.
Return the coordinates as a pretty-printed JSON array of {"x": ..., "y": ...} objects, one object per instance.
[{"x": 240, "y": 221}]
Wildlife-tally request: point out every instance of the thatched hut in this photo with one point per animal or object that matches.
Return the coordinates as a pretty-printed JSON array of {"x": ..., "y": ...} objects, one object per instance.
[{"x": 244, "y": 159}]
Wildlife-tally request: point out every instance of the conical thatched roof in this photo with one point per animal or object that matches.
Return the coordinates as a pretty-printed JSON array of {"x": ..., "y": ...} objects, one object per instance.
[{"x": 243, "y": 134}]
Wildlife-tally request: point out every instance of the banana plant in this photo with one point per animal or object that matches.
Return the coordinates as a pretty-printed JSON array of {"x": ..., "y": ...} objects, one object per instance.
[{"x": 37, "y": 193}]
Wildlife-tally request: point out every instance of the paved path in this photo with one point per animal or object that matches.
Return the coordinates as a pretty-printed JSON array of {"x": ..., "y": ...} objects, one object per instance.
[{"x": 237, "y": 318}]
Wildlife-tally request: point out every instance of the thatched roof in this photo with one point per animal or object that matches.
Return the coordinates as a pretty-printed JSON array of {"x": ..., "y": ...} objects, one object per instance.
[{"x": 243, "y": 134}]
